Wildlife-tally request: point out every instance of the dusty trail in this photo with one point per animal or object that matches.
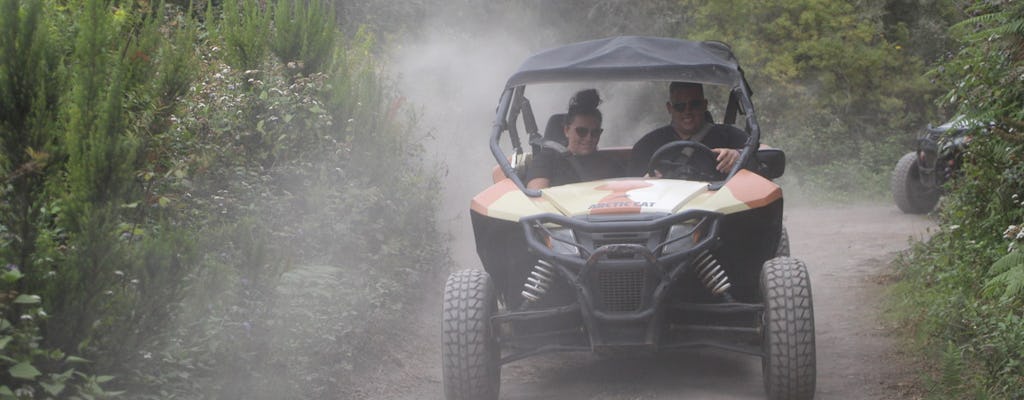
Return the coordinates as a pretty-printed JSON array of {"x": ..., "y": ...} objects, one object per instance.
[{"x": 848, "y": 251}]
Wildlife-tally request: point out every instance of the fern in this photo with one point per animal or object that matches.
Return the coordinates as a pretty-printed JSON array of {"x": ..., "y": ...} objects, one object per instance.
[
  {"x": 952, "y": 368},
  {"x": 971, "y": 28},
  {"x": 1008, "y": 24},
  {"x": 1010, "y": 278}
]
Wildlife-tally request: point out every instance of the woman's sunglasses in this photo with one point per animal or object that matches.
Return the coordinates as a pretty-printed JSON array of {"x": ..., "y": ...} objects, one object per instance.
[
  {"x": 694, "y": 105},
  {"x": 583, "y": 131}
]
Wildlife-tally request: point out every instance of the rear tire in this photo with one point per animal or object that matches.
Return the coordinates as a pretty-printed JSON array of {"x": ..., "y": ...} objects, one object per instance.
[
  {"x": 470, "y": 352},
  {"x": 788, "y": 362},
  {"x": 910, "y": 195}
]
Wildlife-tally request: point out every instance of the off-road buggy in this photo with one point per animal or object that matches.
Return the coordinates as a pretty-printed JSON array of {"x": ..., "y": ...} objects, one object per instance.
[
  {"x": 631, "y": 265},
  {"x": 919, "y": 176}
]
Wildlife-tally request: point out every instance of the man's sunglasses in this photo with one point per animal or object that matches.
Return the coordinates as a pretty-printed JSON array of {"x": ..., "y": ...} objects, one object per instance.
[
  {"x": 694, "y": 105},
  {"x": 583, "y": 131}
]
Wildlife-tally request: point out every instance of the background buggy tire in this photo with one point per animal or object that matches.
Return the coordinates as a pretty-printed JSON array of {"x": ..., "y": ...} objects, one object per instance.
[
  {"x": 787, "y": 340},
  {"x": 470, "y": 353},
  {"x": 910, "y": 195},
  {"x": 783, "y": 250}
]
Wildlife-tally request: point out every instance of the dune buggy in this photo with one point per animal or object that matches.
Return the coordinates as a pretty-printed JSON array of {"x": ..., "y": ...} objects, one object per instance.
[
  {"x": 919, "y": 176},
  {"x": 634, "y": 265}
]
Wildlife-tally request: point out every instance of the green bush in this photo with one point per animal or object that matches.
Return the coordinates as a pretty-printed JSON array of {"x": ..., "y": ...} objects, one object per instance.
[
  {"x": 31, "y": 370},
  {"x": 244, "y": 27},
  {"x": 304, "y": 32},
  {"x": 832, "y": 89},
  {"x": 962, "y": 290},
  {"x": 295, "y": 225},
  {"x": 195, "y": 213}
]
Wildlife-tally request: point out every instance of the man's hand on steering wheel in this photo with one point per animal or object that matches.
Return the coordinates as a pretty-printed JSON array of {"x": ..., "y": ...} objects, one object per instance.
[{"x": 726, "y": 159}]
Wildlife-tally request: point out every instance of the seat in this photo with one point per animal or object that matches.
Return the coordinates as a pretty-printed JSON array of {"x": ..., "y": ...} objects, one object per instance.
[{"x": 555, "y": 129}]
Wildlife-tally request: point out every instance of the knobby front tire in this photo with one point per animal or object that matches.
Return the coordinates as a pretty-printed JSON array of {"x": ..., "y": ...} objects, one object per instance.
[{"x": 470, "y": 352}]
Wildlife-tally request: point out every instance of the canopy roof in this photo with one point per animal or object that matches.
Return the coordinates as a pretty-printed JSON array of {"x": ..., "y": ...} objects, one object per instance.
[{"x": 632, "y": 58}]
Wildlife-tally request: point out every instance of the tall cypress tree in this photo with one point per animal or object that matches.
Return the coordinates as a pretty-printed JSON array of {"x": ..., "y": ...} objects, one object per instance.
[
  {"x": 122, "y": 267},
  {"x": 30, "y": 86},
  {"x": 98, "y": 177}
]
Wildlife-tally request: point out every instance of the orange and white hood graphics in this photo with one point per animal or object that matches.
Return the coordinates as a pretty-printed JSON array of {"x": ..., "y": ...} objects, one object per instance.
[{"x": 746, "y": 190}]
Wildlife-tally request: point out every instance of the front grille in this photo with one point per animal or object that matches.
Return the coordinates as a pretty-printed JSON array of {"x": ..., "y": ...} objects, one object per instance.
[
  {"x": 601, "y": 239},
  {"x": 621, "y": 290},
  {"x": 638, "y": 238}
]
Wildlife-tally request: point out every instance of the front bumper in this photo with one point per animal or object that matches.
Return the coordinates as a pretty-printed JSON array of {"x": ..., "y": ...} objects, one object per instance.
[{"x": 624, "y": 290}]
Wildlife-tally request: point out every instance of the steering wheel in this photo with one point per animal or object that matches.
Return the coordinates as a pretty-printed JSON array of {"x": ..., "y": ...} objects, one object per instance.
[{"x": 687, "y": 160}]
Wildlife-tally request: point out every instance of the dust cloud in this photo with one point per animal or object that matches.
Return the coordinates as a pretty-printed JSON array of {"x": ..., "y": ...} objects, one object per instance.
[
  {"x": 452, "y": 81},
  {"x": 452, "y": 84}
]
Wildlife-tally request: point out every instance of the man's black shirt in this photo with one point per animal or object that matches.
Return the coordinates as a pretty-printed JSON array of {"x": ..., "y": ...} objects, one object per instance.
[{"x": 720, "y": 136}]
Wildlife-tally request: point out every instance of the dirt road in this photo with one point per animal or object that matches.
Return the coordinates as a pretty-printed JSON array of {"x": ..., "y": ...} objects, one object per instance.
[{"x": 848, "y": 251}]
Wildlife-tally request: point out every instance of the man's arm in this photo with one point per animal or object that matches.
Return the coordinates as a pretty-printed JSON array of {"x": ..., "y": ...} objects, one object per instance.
[{"x": 733, "y": 139}]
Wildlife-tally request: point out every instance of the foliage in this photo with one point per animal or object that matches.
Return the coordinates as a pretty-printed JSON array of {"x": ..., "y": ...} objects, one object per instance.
[
  {"x": 30, "y": 83},
  {"x": 1008, "y": 281},
  {"x": 114, "y": 267},
  {"x": 303, "y": 33},
  {"x": 30, "y": 370},
  {"x": 920, "y": 26},
  {"x": 244, "y": 27},
  {"x": 168, "y": 186},
  {"x": 278, "y": 169},
  {"x": 832, "y": 89},
  {"x": 967, "y": 280},
  {"x": 986, "y": 74}
]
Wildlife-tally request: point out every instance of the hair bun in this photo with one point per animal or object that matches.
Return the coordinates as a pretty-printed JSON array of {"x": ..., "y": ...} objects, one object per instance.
[{"x": 587, "y": 99}]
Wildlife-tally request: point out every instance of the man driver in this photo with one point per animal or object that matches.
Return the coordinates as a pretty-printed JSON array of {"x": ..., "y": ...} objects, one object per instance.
[{"x": 687, "y": 106}]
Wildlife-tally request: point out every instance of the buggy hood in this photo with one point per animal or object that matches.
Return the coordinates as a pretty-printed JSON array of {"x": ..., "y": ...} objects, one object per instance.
[{"x": 746, "y": 190}]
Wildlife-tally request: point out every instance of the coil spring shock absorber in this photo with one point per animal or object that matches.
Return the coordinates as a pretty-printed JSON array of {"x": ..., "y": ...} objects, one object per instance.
[
  {"x": 539, "y": 281},
  {"x": 710, "y": 272}
]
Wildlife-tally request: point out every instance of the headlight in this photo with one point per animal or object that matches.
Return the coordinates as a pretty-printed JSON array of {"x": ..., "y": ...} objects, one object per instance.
[
  {"x": 563, "y": 241},
  {"x": 682, "y": 237}
]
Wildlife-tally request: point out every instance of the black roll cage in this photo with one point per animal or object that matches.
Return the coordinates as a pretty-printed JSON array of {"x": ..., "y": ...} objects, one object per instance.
[{"x": 513, "y": 102}]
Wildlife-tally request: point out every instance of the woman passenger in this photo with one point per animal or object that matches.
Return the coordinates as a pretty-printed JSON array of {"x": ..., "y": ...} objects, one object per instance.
[{"x": 583, "y": 132}]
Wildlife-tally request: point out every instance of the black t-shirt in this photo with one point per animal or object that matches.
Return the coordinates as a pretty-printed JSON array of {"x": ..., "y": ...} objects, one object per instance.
[
  {"x": 557, "y": 168},
  {"x": 720, "y": 136}
]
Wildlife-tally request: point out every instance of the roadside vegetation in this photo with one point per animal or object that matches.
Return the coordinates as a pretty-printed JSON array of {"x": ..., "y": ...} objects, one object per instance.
[
  {"x": 962, "y": 293},
  {"x": 839, "y": 85},
  {"x": 200, "y": 202}
]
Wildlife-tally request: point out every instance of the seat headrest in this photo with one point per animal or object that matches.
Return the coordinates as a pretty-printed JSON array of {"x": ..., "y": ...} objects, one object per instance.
[{"x": 555, "y": 129}]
